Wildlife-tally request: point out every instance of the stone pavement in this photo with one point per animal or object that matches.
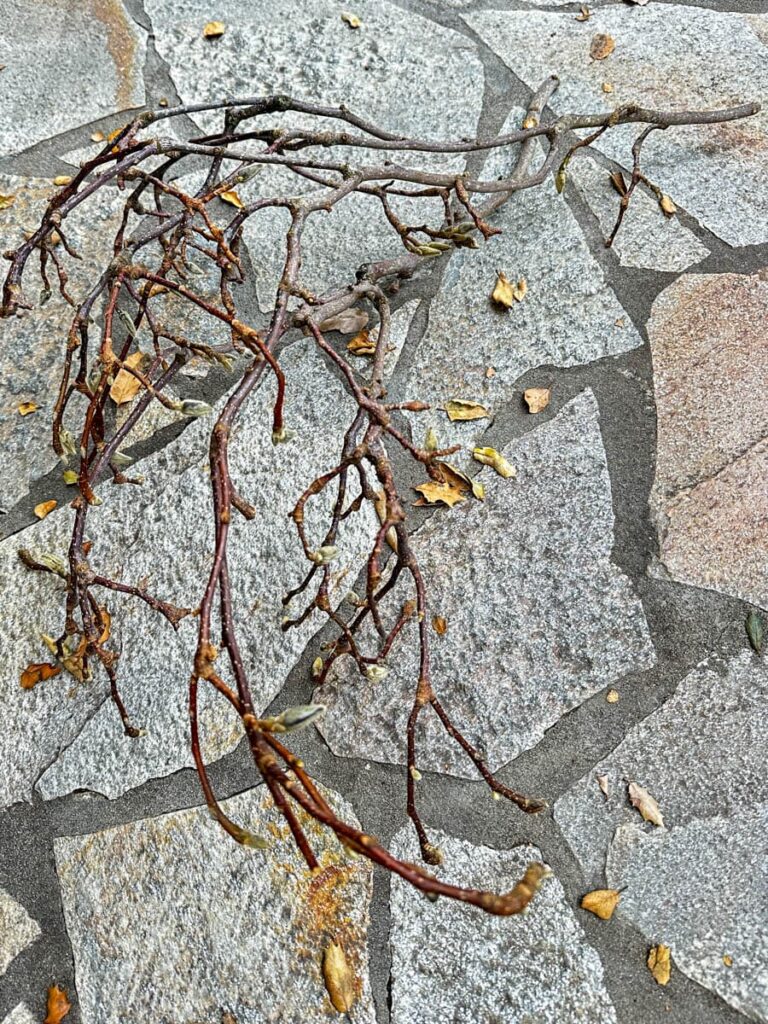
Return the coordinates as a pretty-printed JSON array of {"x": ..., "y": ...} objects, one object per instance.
[{"x": 595, "y": 603}]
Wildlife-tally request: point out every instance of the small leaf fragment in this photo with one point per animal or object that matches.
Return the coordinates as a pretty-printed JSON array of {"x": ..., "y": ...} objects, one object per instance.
[
  {"x": 434, "y": 491},
  {"x": 347, "y": 322},
  {"x": 38, "y": 672},
  {"x": 461, "y": 409},
  {"x": 641, "y": 799},
  {"x": 617, "y": 180},
  {"x": 584, "y": 14},
  {"x": 69, "y": 476},
  {"x": 98, "y": 137},
  {"x": 612, "y": 696},
  {"x": 439, "y": 625},
  {"x": 126, "y": 386},
  {"x": 537, "y": 399},
  {"x": 601, "y": 902},
  {"x": 505, "y": 292},
  {"x": 26, "y": 408},
  {"x": 6, "y": 201},
  {"x": 351, "y": 19},
  {"x": 668, "y": 208},
  {"x": 58, "y": 1005},
  {"x": 531, "y": 122},
  {"x": 660, "y": 964},
  {"x": 338, "y": 977},
  {"x": 755, "y": 631},
  {"x": 231, "y": 197},
  {"x": 727, "y": 960},
  {"x": 602, "y": 781},
  {"x": 362, "y": 344},
  {"x": 62, "y": 179},
  {"x": 607, "y": 87},
  {"x": 602, "y": 46},
  {"x": 490, "y": 457},
  {"x": 45, "y": 508},
  {"x": 214, "y": 29}
]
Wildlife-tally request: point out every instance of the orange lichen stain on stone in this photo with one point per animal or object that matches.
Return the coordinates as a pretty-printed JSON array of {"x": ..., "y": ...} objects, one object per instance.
[{"x": 121, "y": 44}]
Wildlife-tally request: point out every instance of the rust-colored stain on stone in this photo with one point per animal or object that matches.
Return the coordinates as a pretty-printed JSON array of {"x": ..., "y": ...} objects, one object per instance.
[{"x": 121, "y": 45}]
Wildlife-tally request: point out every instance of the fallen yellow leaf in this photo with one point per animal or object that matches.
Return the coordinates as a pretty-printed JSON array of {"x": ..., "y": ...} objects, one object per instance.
[
  {"x": 607, "y": 87},
  {"x": 232, "y": 198},
  {"x": 26, "y": 408},
  {"x": 601, "y": 902},
  {"x": 58, "y": 1005},
  {"x": 339, "y": 978},
  {"x": 727, "y": 960},
  {"x": 126, "y": 386},
  {"x": 641, "y": 799},
  {"x": 45, "y": 507},
  {"x": 98, "y": 137},
  {"x": 668, "y": 207},
  {"x": 660, "y": 964},
  {"x": 69, "y": 476},
  {"x": 490, "y": 457},
  {"x": 612, "y": 696},
  {"x": 352, "y": 20},
  {"x": 459, "y": 409},
  {"x": 362, "y": 344},
  {"x": 214, "y": 29},
  {"x": 537, "y": 399},
  {"x": 434, "y": 492},
  {"x": 602, "y": 46},
  {"x": 505, "y": 292},
  {"x": 62, "y": 179},
  {"x": 584, "y": 14},
  {"x": 6, "y": 201},
  {"x": 37, "y": 672}
]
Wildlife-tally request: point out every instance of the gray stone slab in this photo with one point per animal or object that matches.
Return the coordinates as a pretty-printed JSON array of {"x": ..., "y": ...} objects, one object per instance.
[
  {"x": 699, "y": 884},
  {"x": 646, "y": 238},
  {"x": 666, "y": 56},
  {"x": 19, "y": 1015},
  {"x": 170, "y": 919},
  {"x": 453, "y": 962},
  {"x": 569, "y": 315},
  {"x": 162, "y": 531},
  {"x": 65, "y": 65},
  {"x": 17, "y": 930},
  {"x": 709, "y": 499},
  {"x": 34, "y": 343},
  {"x": 538, "y": 617}
]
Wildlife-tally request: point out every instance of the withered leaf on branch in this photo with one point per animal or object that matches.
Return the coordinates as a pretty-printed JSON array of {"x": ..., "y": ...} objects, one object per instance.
[
  {"x": 38, "y": 672},
  {"x": 660, "y": 964},
  {"x": 602, "y": 46},
  {"x": 755, "y": 631},
  {"x": 461, "y": 409},
  {"x": 601, "y": 902},
  {"x": 617, "y": 180},
  {"x": 58, "y": 1005},
  {"x": 126, "y": 386},
  {"x": 339, "y": 977},
  {"x": 641, "y": 799}
]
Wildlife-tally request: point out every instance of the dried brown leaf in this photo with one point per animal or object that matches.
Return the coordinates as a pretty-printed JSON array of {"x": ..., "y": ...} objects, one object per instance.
[
  {"x": 641, "y": 799},
  {"x": 439, "y": 625},
  {"x": 601, "y": 902},
  {"x": 339, "y": 977},
  {"x": 660, "y": 964},
  {"x": 62, "y": 179},
  {"x": 617, "y": 180},
  {"x": 537, "y": 399},
  {"x": 602, "y": 781},
  {"x": 461, "y": 409},
  {"x": 38, "y": 672},
  {"x": 505, "y": 292},
  {"x": 602, "y": 46},
  {"x": 58, "y": 1005},
  {"x": 26, "y": 408},
  {"x": 362, "y": 344},
  {"x": 434, "y": 492},
  {"x": 668, "y": 208},
  {"x": 232, "y": 198},
  {"x": 126, "y": 386},
  {"x": 347, "y": 322},
  {"x": 214, "y": 29},
  {"x": 45, "y": 508},
  {"x": 6, "y": 201},
  {"x": 490, "y": 457}
]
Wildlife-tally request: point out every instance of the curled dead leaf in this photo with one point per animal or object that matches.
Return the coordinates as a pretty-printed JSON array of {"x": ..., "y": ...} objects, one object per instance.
[
  {"x": 490, "y": 457},
  {"x": 617, "y": 180},
  {"x": 434, "y": 492},
  {"x": 668, "y": 208},
  {"x": 537, "y": 399},
  {"x": 126, "y": 386},
  {"x": 232, "y": 198},
  {"x": 98, "y": 137},
  {"x": 38, "y": 672},
  {"x": 461, "y": 409},
  {"x": 584, "y": 14},
  {"x": 45, "y": 508},
  {"x": 58, "y": 1005},
  {"x": 602, "y": 46},
  {"x": 214, "y": 29},
  {"x": 641, "y": 799},
  {"x": 338, "y": 977},
  {"x": 601, "y": 902},
  {"x": 351, "y": 19},
  {"x": 727, "y": 960},
  {"x": 362, "y": 344},
  {"x": 26, "y": 408},
  {"x": 505, "y": 292},
  {"x": 660, "y": 963},
  {"x": 347, "y": 322}
]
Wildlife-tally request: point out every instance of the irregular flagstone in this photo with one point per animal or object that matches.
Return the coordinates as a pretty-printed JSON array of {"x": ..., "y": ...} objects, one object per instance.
[
  {"x": 646, "y": 238},
  {"x": 17, "y": 930},
  {"x": 709, "y": 498},
  {"x": 699, "y": 884},
  {"x": 34, "y": 343},
  {"x": 66, "y": 64},
  {"x": 19, "y": 1015},
  {"x": 453, "y": 962},
  {"x": 569, "y": 315},
  {"x": 170, "y": 919},
  {"x": 399, "y": 70},
  {"x": 538, "y": 618},
  {"x": 666, "y": 56},
  {"x": 162, "y": 531}
]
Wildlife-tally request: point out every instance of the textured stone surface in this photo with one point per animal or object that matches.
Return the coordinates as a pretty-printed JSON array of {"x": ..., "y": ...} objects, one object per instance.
[
  {"x": 646, "y": 238},
  {"x": 66, "y": 64},
  {"x": 32, "y": 352},
  {"x": 172, "y": 920},
  {"x": 669, "y": 57},
  {"x": 149, "y": 532},
  {"x": 699, "y": 884},
  {"x": 17, "y": 929},
  {"x": 19, "y": 1015},
  {"x": 709, "y": 498},
  {"x": 538, "y": 618},
  {"x": 452, "y": 962},
  {"x": 568, "y": 316}
]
